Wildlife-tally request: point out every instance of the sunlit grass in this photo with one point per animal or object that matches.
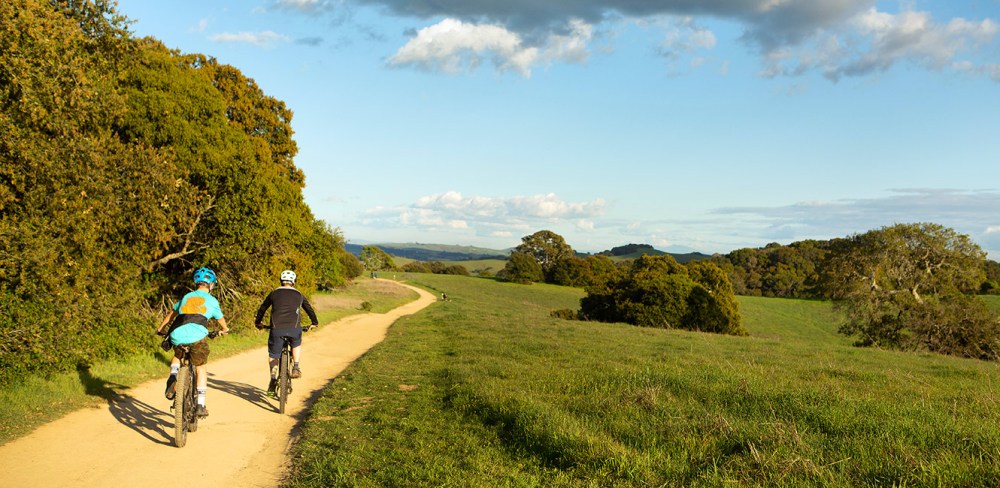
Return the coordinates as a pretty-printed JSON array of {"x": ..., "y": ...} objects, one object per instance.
[{"x": 489, "y": 390}]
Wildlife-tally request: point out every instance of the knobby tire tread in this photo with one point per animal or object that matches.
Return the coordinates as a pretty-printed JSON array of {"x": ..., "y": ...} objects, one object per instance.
[
  {"x": 284, "y": 378},
  {"x": 182, "y": 390}
]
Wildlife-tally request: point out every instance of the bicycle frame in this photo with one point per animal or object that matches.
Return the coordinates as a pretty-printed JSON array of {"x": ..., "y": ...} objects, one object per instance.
[{"x": 185, "y": 398}]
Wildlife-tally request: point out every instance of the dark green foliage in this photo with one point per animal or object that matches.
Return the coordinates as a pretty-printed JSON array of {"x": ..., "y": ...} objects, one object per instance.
[
  {"x": 992, "y": 283},
  {"x": 570, "y": 271},
  {"x": 417, "y": 267},
  {"x": 456, "y": 269},
  {"x": 907, "y": 287},
  {"x": 776, "y": 270},
  {"x": 436, "y": 267},
  {"x": 522, "y": 268},
  {"x": 659, "y": 292},
  {"x": 565, "y": 314},
  {"x": 123, "y": 166},
  {"x": 633, "y": 249}
]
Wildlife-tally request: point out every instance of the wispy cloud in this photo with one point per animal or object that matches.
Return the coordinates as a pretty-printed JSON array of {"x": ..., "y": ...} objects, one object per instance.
[
  {"x": 262, "y": 39},
  {"x": 488, "y": 216},
  {"x": 967, "y": 211}
]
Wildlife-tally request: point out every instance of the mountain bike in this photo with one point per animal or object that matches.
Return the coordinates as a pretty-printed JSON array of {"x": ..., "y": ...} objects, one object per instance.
[
  {"x": 185, "y": 399},
  {"x": 284, "y": 387}
]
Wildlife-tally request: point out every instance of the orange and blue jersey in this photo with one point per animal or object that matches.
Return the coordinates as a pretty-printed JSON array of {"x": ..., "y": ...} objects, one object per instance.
[{"x": 197, "y": 302}]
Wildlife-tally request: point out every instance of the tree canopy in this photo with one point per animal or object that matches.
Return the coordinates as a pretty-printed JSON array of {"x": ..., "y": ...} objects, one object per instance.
[
  {"x": 123, "y": 166},
  {"x": 909, "y": 286},
  {"x": 659, "y": 292}
]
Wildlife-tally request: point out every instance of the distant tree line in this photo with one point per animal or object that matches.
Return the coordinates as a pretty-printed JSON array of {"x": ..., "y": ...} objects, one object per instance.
[
  {"x": 435, "y": 267},
  {"x": 651, "y": 291},
  {"x": 798, "y": 270},
  {"x": 906, "y": 286},
  {"x": 125, "y": 165}
]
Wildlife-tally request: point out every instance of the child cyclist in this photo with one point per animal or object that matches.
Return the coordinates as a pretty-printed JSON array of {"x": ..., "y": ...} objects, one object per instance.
[
  {"x": 186, "y": 325},
  {"x": 285, "y": 302}
]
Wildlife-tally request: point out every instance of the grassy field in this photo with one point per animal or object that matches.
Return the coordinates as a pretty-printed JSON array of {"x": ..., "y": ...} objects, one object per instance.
[
  {"x": 488, "y": 390},
  {"x": 41, "y": 400}
]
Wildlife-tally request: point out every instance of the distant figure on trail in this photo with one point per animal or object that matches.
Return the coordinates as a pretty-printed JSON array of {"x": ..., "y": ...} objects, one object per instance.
[
  {"x": 185, "y": 324},
  {"x": 284, "y": 302},
  {"x": 444, "y": 297}
]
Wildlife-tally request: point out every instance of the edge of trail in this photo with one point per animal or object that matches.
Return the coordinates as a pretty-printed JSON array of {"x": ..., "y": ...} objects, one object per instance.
[{"x": 128, "y": 440}]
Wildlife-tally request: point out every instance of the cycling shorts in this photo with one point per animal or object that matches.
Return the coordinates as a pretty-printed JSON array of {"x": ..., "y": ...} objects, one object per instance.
[
  {"x": 199, "y": 352},
  {"x": 274, "y": 341}
]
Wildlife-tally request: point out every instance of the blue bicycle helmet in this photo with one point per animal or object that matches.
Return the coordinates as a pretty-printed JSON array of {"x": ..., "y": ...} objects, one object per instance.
[{"x": 204, "y": 275}]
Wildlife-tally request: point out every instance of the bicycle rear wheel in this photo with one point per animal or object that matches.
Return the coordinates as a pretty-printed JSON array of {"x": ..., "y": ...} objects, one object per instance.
[
  {"x": 182, "y": 406},
  {"x": 284, "y": 379}
]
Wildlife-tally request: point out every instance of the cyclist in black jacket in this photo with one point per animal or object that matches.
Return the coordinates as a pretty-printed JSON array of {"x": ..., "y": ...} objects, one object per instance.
[{"x": 284, "y": 302}]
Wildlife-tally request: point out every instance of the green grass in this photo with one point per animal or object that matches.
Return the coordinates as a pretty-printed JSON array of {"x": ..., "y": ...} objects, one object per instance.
[
  {"x": 39, "y": 400},
  {"x": 488, "y": 390},
  {"x": 476, "y": 265}
]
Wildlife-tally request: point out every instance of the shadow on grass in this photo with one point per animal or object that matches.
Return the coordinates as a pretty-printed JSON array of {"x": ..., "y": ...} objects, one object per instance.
[{"x": 146, "y": 420}]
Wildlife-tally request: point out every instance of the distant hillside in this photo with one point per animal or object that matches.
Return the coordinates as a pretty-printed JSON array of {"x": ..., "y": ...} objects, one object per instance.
[
  {"x": 633, "y": 251},
  {"x": 433, "y": 252}
]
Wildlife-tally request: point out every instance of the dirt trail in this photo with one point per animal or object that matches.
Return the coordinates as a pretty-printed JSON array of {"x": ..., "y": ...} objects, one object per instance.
[{"x": 244, "y": 442}]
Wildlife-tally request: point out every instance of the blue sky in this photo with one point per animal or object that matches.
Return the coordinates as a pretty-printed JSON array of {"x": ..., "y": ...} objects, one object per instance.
[{"x": 705, "y": 125}]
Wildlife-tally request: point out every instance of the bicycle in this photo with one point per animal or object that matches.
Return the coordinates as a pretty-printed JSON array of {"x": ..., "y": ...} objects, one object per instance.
[
  {"x": 185, "y": 405},
  {"x": 284, "y": 387}
]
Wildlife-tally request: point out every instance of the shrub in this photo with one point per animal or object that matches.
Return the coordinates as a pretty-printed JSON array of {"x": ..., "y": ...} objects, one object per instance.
[
  {"x": 659, "y": 292},
  {"x": 565, "y": 314}
]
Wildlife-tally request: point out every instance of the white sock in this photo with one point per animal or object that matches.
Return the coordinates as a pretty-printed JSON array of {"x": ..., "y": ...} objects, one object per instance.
[{"x": 201, "y": 396}]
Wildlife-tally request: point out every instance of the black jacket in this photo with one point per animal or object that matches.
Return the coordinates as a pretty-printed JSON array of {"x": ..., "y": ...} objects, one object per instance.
[{"x": 285, "y": 304}]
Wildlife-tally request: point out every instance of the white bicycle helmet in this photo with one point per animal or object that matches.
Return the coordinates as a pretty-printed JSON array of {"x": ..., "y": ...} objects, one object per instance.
[{"x": 288, "y": 275}]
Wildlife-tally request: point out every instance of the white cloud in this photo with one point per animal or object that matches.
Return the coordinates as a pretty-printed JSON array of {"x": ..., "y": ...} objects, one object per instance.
[
  {"x": 262, "y": 39},
  {"x": 874, "y": 41},
  {"x": 993, "y": 229},
  {"x": 452, "y": 46}
]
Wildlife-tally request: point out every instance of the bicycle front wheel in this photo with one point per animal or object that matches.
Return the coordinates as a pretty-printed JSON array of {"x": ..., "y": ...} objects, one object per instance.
[{"x": 182, "y": 406}]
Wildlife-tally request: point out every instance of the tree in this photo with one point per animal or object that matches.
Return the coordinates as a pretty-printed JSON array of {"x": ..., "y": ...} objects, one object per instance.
[
  {"x": 546, "y": 247},
  {"x": 123, "y": 166},
  {"x": 894, "y": 284},
  {"x": 659, "y": 292},
  {"x": 375, "y": 259},
  {"x": 522, "y": 268},
  {"x": 570, "y": 271}
]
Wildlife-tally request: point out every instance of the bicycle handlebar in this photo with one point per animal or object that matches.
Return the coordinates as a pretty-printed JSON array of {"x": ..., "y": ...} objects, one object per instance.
[{"x": 305, "y": 328}]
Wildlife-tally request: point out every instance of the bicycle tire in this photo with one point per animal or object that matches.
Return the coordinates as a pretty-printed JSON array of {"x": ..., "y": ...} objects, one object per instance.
[
  {"x": 182, "y": 406},
  {"x": 192, "y": 403},
  {"x": 284, "y": 379}
]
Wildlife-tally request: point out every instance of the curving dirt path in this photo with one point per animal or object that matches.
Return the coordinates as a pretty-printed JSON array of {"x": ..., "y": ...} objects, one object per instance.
[{"x": 244, "y": 442}]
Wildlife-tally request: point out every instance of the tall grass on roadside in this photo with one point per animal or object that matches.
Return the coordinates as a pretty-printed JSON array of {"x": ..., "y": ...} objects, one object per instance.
[
  {"x": 42, "y": 399},
  {"x": 488, "y": 390}
]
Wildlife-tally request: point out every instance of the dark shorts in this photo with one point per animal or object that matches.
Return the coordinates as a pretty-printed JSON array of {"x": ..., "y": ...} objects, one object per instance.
[
  {"x": 274, "y": 341},
  {"x": 199, "y": 352}
]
